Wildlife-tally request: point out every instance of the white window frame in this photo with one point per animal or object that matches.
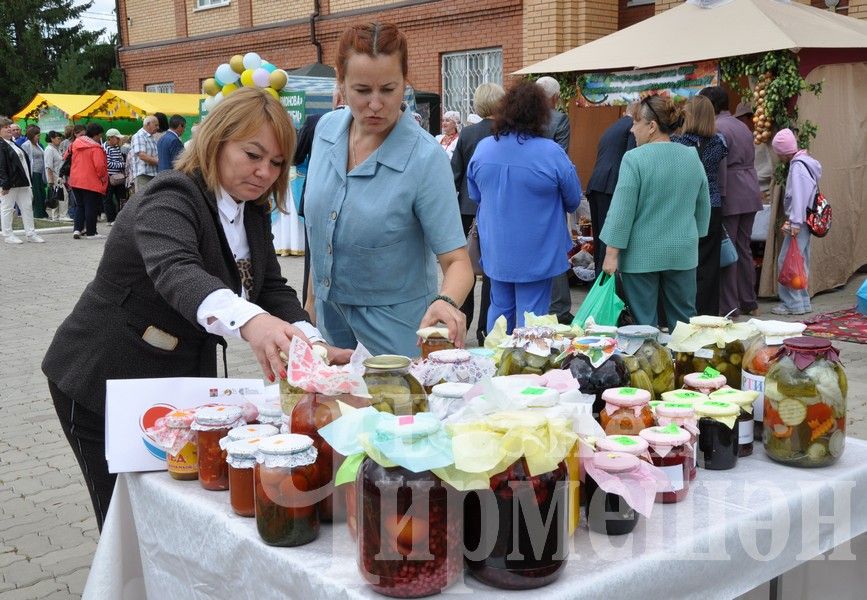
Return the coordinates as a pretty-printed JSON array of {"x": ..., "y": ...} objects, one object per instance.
[
  {"x": 166, "y": 87},
  {"x": 459, "y": 81},
  {"x": 208, "y": 4},
  {"x": 631, "y": 3}
]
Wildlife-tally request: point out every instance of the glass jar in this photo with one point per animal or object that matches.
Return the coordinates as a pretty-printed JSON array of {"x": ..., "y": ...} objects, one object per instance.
[
  {"x": 452, "y": 366},
  {"x": 670, "y": 451},
  {"x": 682, "y": 414},
  {"x": 284, "y": 479},
  {"x": 717, "y": 434},
  {"x": 709, "y": 380},
  {"x": 392, "y": 386},
  {"x": 183, "y": 464},
  {"x": 446, "y": 398},
  {"x": 213, "y": 423},
  {"x": 271, "y": 413},
  {"x": 746, "y": 425},
  {"x": 312, "y": 413},
  {"x": 805, "y": 404},
  {"x": 245, "y": 432},
  {"x": 627, "y": 411},
  {"x": 595, "y": 370},
  {"x": 610, "y": 513},
  {"x": 409, "y": 543},
  {"x": 625, "y": 444},
  {"x": 759, "y": 357},
  {"x": 707, "y": 341},
  {"x": 434, "y": 339},
  {"x": 649, "y": 362},
  {"x": 503, "y": 534},
  {"x": 241, "y": 458},
  {"x": 530, "y": 351}
]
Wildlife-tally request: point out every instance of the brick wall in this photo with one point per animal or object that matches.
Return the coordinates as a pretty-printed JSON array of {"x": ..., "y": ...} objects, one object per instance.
[
  {"x": 554, "y": 26},
  {"x": 857, "y": 8},
  {"x": 271, "y": 11},
  {"x": 150, "y": 21},
  {"x": 664, "y": 5},
  {"x": 630, "y": 15},
  {"x": 212, "y": 19}
]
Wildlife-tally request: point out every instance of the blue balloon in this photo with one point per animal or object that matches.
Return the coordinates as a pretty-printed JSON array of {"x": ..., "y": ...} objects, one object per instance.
[{"x": 268, "y": 66}]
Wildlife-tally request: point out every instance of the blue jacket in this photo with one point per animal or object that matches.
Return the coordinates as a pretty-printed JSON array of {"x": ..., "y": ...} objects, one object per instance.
[
  {"x": 169, "y": 148},
  {"x": 523, "y": 187}
]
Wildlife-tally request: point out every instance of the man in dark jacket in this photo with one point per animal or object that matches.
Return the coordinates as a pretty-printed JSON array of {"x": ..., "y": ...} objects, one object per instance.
[{"x": 170, "y": 146}]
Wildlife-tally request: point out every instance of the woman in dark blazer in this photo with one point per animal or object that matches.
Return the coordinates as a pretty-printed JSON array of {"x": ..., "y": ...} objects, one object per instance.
[{"x": 187, "y": 263}]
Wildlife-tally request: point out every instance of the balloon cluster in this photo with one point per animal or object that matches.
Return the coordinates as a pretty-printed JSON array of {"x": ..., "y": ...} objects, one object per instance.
[{"x": 248, "y": 70}]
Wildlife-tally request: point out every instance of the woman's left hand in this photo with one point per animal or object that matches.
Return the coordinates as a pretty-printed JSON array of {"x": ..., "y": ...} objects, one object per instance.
[{"x": 443, "y": 312}]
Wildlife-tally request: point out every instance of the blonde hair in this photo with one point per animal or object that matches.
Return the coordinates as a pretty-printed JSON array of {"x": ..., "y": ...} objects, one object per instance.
[
  {"x": 486, "y": 98},
  {"x": 240, "y": 117},
  {"x": 699, "y": 117}
]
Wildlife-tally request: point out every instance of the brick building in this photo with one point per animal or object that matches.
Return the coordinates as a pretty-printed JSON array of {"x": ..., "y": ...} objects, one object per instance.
[{"x": 173, "y": 45}]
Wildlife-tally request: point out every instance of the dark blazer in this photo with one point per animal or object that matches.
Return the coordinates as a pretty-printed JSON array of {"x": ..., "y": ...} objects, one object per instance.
[
  {"x": 559, "y": 129},
  {"x": 12, "y": 174},
  {"x": 466, "y": 146},
  {"x": 166, "y": 253},
  {"x": 613, "y": 144},
  {"x": 169, "y": 147}
]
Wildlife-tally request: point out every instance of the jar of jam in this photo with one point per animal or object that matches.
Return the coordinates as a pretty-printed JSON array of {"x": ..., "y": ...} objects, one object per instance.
[
  {"x": 446, "y": 398},
  {"x": 241, "y": 458},
  {"x": 530, "y": 351},
  {"x": 707, "y": 341},
  {"x": 709, "y": 380},
  {"x": 409, "y": 543},
  {"x": 805, "y": 404},
  {"x": 244, "y": 432},
  {"x": 182, "y": 460},
  {"x": 595, "y": 365},
  {"x": 746, "y": 425},
  {"x": 670, "y": 451},
  {"x": 626, "y": 411},
  {"x": 682, "y": 414},
  {"x": 213, "y": 423},
  {"x": 283, "y": 479},
  {"x": 634, "y": 445},
  {"x": 717, "y": 434},
  {"x": 313, "y": 412},
  {"x": 650, "y": 364},
  {"x": 759, "y": 357},
  {"x": 434, "y": 339},
  {"x": 505, "y": 549},
  {"x": 452, "y": 366},
  {"x": 392, "y": 386},
  {"x": 285, "y": 423},
  {"x": 610, "y": 513},
  {"x": 271, "y": 413}
]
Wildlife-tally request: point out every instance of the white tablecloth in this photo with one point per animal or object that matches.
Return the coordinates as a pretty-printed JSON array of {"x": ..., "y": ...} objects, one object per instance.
[{"x": 736, "y": 530}]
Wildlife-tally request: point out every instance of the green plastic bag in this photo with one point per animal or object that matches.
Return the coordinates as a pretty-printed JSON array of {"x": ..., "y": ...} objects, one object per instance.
[{"x": 602, "y": 303}]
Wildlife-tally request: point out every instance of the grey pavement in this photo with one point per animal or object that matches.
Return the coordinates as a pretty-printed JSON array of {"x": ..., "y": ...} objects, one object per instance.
[{"x": 47, "y": 532}]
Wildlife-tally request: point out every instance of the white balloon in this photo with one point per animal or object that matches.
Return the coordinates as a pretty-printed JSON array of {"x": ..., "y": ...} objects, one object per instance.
[
  {"x": 225, "y": 74},
  {"x": 209, "y": 103},
  {"x": 252, "y": 61},
  {"x": 218, "y": 98}
]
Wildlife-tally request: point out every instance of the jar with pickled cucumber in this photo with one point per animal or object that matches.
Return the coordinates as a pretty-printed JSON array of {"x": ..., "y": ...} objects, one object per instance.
[
  {"x": 650, "y": 365},
  {"x": 805, "y": 404},
  {"x": 530, "y": 351},
  {"x": 392, "y": 387},
  {"x": 759, "y": 357},
  {"x": 715, "y": 342}
]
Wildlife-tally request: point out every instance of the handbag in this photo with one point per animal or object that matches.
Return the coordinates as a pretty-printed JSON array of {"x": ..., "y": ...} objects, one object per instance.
[
  {"x": 116, "y": 178},
  {"x": 474, "y": 249},
  {"x": 728, "y": 254},
  {"x": 55, "y": 195}
]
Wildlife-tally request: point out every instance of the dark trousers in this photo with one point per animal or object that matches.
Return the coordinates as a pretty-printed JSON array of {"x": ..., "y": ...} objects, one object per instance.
[
  {"x": 674, "y": 290},
  {"x": 85, "y": 432},
  {"x": 708, "y": 272},
  {"x": 561, "y": 298},
  {"x": 38, "y": 185},
  {"x": 469, "y": 305},
  {"x": 599, "y": 204},
  {"x": 113, "y": 201},
  {"x": 738, "y": 281},
  {"x": 87, "y": 209}
]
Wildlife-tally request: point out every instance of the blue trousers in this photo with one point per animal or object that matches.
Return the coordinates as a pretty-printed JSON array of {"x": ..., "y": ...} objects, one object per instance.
[{"x": 512, "y": 300}]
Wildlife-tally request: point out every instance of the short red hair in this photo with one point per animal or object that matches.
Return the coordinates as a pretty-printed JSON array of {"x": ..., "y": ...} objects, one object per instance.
[{"x": 372, "y": 39}]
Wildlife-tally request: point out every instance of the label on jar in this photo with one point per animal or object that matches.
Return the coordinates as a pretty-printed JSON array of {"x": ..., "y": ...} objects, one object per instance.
[
  {"x": 745, "y": 432},
  {"x": 533, "y": 391},
  {"x": 184, "y": 462},
  {"x": 675, "y": 476},
  {"x": 703, "y": 353},
  {"x": 624, "y": 440},
  {"x": 755, "y": 383},
  {"x": 628, "y": 391}
]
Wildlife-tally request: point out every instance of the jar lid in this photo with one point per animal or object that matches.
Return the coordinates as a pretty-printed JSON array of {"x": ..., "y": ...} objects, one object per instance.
[
  {"x": 224, "y": 414},
  {"x": 245, "y": 448},
  {"x": 451, "y": 389},
  {"x": 704, "y": 380},
  {"x": 450, "y": 356},
  {"x": 509, "y": 419},
  {"x": 675, "y": 410},
  {"x": 387, "y": 362},
  {"x": 738, "y": 397},
  {"x": 717, "y": 408},
  {"x": 561, "y": 329},
  {"x": 427, "y": 333},
  {"x": 534, "y": 395},
  {"x": 807, "y": 344},
  {"x": 638, "y": 331},
  {"x": 252, "y": 431},
  {"x": 532, "y": 333},
  {"x": 670, "y": 435},
  {"x": 709, "y": 321},
  {"x": 602, "y": 330},
  {"x": 180, "y": 419},
  {"x": 615, "y": 462},
  {"x": 630, "y": 444},
  {"x": 684, "y": 396},
  {"x": 778, "y": 329},
  {"x": 285, "y": 443},
  {"x": 409, "y": 426},
  {"x": 271, "y": 410},
  {"x": 626, "y": 397}
]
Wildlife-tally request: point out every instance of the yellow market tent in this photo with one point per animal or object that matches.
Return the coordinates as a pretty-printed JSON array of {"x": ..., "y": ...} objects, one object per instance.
[
  {"x": 69, "y": 104},
  {"x": 120, "y": 104}
]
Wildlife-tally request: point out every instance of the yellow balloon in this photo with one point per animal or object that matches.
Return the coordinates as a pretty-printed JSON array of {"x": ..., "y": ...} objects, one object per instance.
[
  {"x": 247, "y": 78},
  {"x": 211, "y": 86},
  {"x": 237, "y": 63},
  {"x": 273, "y": 92},
  {"x": 229, "y": 88},
  {"x": 278, "y": 79}
]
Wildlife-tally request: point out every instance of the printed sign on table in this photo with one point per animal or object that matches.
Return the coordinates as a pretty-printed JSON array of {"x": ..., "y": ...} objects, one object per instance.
[
  {"x": 619, "y": 88},
  {"x": 133, "y": 405}
]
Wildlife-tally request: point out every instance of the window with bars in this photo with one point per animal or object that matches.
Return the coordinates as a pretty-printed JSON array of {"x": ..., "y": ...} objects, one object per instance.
[
  {"x": 167, "y": 87},
  {"x": 463, "y": 72}
]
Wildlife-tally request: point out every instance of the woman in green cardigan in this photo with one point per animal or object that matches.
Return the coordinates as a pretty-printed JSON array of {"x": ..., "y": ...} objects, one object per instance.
[{"x": 660, "y": 209}]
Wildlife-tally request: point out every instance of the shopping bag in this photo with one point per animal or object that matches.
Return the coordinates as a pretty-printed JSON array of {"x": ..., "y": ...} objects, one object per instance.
[
  {"x": 728, "y": 254},
  {"x": 793, "y": 274},
  {"x": 602, "y": 303},
  {"x": 861, "y": 299}
]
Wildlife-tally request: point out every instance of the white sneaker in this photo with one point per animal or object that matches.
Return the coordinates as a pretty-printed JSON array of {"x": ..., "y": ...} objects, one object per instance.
[
  {"x": 76, "y": 235},
  {"x": 12, "y": 239},
  {"x": 95, "y": 236},
  {"x": 35, "y": 239}
]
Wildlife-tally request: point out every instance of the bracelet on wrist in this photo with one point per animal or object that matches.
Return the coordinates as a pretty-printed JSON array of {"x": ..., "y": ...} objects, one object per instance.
[{"x": 447, "y": 300}]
